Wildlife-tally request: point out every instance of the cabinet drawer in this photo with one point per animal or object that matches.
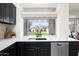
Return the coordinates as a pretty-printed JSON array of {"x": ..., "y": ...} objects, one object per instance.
[{"x": 34, "y": 44}]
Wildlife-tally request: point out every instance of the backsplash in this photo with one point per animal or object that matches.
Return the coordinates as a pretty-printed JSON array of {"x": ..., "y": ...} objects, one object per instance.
[{"x": 2, "y": 30}]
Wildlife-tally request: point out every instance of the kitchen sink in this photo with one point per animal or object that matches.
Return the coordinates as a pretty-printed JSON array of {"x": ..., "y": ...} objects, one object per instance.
[
  {"x": 37, "y": 38},
  {"x": 40, "y": 38}
]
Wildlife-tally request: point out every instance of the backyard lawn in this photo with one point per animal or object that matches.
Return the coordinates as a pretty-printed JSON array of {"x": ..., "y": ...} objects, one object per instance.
[{"x": 34, "y": 33}]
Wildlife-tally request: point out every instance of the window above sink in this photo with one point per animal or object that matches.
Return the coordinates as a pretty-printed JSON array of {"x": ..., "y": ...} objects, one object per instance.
[
  {"x": 34, "y": 27},
  {"x": 39, "y": 27}
]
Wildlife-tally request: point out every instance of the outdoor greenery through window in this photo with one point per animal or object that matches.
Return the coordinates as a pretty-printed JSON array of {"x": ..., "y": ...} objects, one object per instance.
[
  {"x": 36, "y": 26},
  {"x": 73, "y": 26}
]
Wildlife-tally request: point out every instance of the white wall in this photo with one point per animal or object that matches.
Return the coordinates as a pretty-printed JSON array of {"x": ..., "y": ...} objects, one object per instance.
[
  {"x": 19, "y": 28},
  {"x": 62, "y": 21},
  {"x": 19, "y": 22}
]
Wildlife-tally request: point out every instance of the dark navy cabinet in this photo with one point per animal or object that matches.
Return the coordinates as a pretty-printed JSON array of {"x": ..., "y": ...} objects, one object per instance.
[
  {"x": 37, "y": 49},
  {"x": 9, "y": 51},
  {"x": 7, "y": 13},
  {"x": 12, "y": 13},
  {"x": 34, "y": 49},
  {"x": 73, "y": 50},
  {"x": 1, "y": 12},
  {"x": 27, "y": 49}
]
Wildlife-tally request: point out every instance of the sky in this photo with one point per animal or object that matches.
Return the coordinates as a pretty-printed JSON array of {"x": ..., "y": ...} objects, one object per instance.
[{"x": 39, "y": 22}]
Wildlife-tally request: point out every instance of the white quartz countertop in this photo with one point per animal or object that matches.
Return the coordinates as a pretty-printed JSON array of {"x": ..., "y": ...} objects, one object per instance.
[
  {"x": 49, "y": 38},
  {"x": 33, "y": 39},
  {"x": 7, "y": 42},
  {"x": 72, "y": 39}
]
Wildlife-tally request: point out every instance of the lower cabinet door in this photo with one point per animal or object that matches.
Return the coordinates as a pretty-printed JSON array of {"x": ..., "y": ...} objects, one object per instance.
[
  {"x": 29, "y": 52},
  {"x": 73, "y": 53},
  {"x": 43, "y": 51},
  {"x": 4, "y": 54},
  {"x": 35, "y": 52},
  {"x": 33, "y": 49},
  {"x": 12, "y": 52},
  {"x": 73, "y": 50}
]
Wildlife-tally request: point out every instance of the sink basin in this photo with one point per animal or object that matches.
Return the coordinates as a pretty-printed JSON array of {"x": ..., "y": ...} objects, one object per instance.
[
  {"x": 40, "y": 38},
  {"x": 32, "y": 38},
  {"x": 37, "y": 38}
]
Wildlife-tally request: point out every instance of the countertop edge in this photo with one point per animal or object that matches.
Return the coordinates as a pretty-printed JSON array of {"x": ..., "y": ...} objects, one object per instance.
[{"x": 7, "y": 42}]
